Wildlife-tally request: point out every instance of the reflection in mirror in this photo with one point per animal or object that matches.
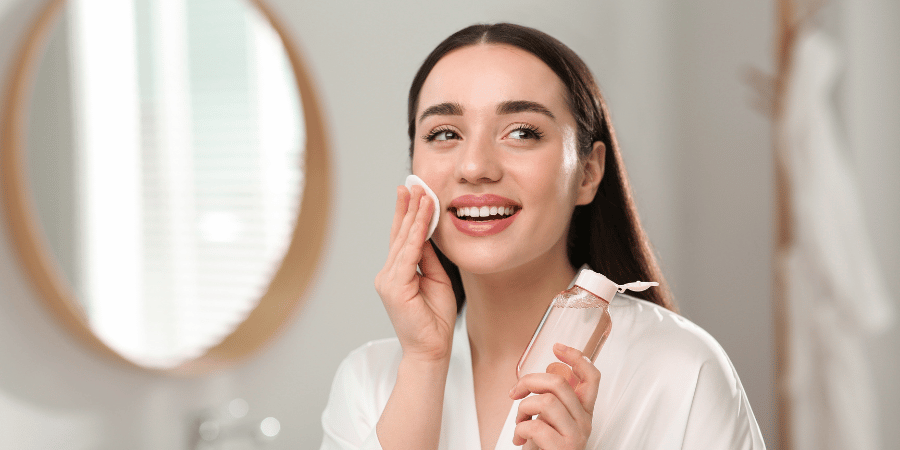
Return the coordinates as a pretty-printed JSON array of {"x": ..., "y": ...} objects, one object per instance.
[{"x": 165, "y": 148}]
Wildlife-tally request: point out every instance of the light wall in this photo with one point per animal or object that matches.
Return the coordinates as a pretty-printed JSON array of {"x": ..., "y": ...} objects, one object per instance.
[
  {"x": 698, "y": 155},
  {"x": 870, "y": 100}
]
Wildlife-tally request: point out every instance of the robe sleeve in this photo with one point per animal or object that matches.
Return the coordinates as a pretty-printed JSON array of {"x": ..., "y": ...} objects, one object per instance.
[
  {"x": 720, "y": 416},
  {"x": 350, "y": 416}
]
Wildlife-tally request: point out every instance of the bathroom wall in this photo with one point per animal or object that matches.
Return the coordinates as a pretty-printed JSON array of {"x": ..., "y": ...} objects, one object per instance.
[
  {"x": 869, "y": 95},
  {"x": 698, "y": 155}
]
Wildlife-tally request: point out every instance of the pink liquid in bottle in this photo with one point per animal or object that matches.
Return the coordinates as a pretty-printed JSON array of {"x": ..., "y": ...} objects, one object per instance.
[{"x": 579, "y": 318}]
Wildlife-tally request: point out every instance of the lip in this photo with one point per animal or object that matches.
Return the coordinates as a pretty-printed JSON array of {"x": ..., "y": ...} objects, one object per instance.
[
  {"x": 482, "y": 228},
  {"x": 464, "y": 201}
]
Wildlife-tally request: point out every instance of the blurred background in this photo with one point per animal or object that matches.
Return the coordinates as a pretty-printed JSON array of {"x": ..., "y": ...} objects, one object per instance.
[{"x": 697, "y": 145}]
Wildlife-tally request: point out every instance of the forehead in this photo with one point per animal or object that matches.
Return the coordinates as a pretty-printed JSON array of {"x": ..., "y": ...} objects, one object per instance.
[{"x": 481, "y": 76}]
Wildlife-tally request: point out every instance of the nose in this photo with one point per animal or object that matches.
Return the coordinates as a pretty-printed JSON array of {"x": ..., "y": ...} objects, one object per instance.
[{"x": 478, "y": 162}]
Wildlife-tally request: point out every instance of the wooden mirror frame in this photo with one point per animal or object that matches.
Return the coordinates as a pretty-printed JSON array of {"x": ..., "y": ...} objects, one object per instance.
[{"x": 284, "y": 294}]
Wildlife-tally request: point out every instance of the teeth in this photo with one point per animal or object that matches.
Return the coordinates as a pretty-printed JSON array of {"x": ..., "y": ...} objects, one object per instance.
[{"x": 484, "y": 211}]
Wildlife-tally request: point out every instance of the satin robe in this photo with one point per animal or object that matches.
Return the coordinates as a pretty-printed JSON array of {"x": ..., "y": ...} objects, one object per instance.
[{"x": 666, "y": 384}]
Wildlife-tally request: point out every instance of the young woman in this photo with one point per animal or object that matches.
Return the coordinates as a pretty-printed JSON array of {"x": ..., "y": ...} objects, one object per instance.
[{"x": 508, "y": 128}]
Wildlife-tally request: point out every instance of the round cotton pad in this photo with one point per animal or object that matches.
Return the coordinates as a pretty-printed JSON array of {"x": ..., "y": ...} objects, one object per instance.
[{"x": 413, "y": 180}]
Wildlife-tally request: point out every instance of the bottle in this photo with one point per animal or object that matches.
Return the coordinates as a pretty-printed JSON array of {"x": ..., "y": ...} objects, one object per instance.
[{"x": 579, "y": 318}]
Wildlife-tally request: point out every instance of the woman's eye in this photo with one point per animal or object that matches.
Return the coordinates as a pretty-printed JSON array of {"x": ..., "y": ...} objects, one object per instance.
[
  {"x": 525, "y": 133},
  {"x": 441, "y": 135},
  {"x": 445, "y": 135},
  {"x": 520, "y": 134}
]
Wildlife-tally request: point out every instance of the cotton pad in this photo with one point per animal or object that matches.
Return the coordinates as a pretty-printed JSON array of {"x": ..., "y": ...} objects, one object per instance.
[{"x": 413, "y": 180}]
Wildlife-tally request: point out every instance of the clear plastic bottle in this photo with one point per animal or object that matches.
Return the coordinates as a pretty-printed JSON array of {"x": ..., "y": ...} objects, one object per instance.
[{"x": 579, "y": 318}]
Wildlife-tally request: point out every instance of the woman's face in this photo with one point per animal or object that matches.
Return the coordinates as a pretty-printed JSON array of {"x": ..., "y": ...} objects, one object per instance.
[{"x": 495, "y": 138}]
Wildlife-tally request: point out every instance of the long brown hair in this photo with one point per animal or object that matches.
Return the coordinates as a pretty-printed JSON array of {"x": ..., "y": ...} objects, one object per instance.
[{"x": 606, "y": 233}]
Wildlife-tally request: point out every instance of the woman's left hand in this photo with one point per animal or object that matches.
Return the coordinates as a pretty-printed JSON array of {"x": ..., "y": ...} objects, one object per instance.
[{"x": 563, "y": 404}]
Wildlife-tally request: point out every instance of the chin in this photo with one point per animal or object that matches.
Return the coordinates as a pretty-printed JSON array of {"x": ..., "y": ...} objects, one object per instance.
[
  {"x": 478, "y": 259},
  {"x": 487, "y": 258},
  {"x": 483, "y": 267}
]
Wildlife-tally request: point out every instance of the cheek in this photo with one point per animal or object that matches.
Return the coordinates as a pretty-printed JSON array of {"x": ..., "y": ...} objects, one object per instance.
[
  {"x": 430, "y": 167},
  {"x": 416, "y": 157},
  {"x": 550, "y": 187},
  {"x": 563, "y": 182},
  {"x": 423, "y": 166},
  {"x": 433, "y": 170},
  {"x": 569, "y": 152},
  {"x": 570, "y": 173}
]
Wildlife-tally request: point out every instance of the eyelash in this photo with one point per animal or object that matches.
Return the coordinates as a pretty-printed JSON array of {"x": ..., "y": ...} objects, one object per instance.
[
  {"x": 537, "y": 133},
  {"x": 430, "y": 137}
]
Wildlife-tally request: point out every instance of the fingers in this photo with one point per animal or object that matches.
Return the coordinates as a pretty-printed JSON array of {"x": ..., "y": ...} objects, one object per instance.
[
  {"x": 435, "y": 284},
  {"x": 406, "y": 250},
  {"x": 563, "y": 403},
  {"x": 551, "y": 411},
  {"x": 431, "y": 265},
  {"x": 395, "y": 274},
  {"x": 406, "y": 222},
  {"x": 539, "y": 434},
  {"x": 426, "y": 209},
  {"x": 561, "y": 369},
  {"x": 413, "y": 242},
  {"x": 585, "y": 371},
  {"x": 399, "y": 211},
  {"x": 546, "y": 383}
]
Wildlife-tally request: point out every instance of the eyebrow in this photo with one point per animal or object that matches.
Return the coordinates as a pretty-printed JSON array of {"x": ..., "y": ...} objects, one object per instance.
[
  {"x": 442, "y": 109},
  {"x": 507, "y": 107},
  {"x": 517, "y": 106}
]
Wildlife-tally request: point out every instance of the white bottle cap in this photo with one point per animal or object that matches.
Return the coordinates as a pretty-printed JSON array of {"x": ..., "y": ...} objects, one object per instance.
[
  {"x": 604, "y": 288},
  {"x": 597, "y": 284},
  {"x": 637, "y": 286},
  {"x": 413, "y": 180}
]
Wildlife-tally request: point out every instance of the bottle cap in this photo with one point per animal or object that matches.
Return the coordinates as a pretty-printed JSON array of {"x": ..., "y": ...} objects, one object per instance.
[
  {"x": 637, "y": 286},
  {"x": 604, "y": 288},
  {"x": 597, "y": 284},
  {"x": 413, "y": 180}
]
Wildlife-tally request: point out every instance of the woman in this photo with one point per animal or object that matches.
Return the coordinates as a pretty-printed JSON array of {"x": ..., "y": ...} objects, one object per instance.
[{"x": 508, "y": 128}]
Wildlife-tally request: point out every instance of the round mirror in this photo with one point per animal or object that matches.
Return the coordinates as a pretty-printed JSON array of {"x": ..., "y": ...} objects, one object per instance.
[{"x": 164, "y": 169}]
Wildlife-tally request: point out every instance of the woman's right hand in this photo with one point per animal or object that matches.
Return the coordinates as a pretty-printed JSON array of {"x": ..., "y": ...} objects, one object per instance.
[{"x": 421, "y": 306}]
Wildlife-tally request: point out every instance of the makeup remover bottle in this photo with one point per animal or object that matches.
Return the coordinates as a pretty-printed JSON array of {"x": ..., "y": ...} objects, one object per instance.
[{"x": 579, "y": 318}]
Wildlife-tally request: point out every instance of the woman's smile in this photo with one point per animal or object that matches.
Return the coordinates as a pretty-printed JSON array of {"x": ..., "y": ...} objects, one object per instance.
[{"x": 482, "y": 215}]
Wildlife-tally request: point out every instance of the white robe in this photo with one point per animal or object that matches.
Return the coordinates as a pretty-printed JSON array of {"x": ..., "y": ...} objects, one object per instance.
[{"x": 666, "y": 384}]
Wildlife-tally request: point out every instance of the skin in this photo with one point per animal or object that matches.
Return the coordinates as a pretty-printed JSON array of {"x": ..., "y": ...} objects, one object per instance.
[{"x": 529, "y": 157}]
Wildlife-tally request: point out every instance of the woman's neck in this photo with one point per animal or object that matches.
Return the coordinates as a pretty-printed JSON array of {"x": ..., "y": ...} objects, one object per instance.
[{"x": 504, "y": 309}]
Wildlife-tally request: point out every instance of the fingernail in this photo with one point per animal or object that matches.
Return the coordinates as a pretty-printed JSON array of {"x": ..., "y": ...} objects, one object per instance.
[
  {"x": 512, "y": 391},
  {"x": 559, "y": 347}
]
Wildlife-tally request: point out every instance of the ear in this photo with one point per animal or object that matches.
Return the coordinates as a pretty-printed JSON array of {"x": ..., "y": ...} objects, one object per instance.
[{"x": 592, "y": 168}]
